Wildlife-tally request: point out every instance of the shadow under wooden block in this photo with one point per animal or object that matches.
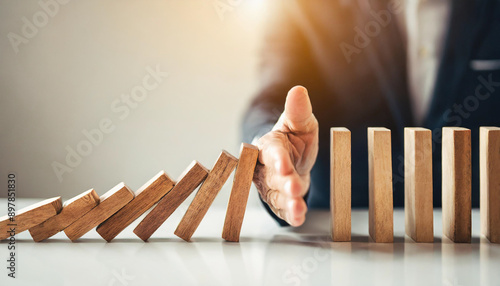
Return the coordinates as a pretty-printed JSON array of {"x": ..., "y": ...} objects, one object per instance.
[
  {"x": 147, "y": 195},
  {"x": 72, "y": 210},
  {"x": 29, "y": 217},
  {"x": 111, "y": 202},
  {"x": 189, "y": 180}
]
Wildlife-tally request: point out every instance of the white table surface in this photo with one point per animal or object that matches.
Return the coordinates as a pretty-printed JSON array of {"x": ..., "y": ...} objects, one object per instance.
[{"x": 267, "y": 255}]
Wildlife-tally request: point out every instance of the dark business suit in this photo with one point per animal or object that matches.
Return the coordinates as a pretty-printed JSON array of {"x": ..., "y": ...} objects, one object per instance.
[{"x": 302, "y": 45}]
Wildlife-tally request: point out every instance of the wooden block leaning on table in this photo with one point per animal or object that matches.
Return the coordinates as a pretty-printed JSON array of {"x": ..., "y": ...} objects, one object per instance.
[
  {"x": 418, "y": 185},
  {"x": 72, "y": 210},
  {"x": 340, "y": 183},
  {"x": 111, "y": 202},
  {"x": 206, "y": 195},
  {"x": 456, "y": 190},
  {"x": 29, "y": 217},
  {"x": 380, "y": 209},
  {"x": 239, "y": 193},
  {"x": 489, "y": 161},
  {"x": 188, "y": 181},
  {"x": 145, "y": 197}
]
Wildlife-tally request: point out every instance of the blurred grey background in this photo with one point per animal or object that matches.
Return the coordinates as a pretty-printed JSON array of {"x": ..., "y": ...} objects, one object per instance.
[{"x": 68, "y": 68}]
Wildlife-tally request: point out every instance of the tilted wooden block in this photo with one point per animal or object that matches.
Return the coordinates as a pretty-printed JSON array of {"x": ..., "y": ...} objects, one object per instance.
[
  {"x": 111, "y": 202},
  {"x": 72, "y": 210},
  {"x": 190, "y": 179},
  {"x": 340, "y": 183},
  {"x": 29, "y": 217},
  {"x": 456, "y": 190},
  {"x": 418, "y": 185},
  {"x": 490, "y": 182},
  {"x": 206, "y": 195},
  {"x": 145, "y": 197},
  {"x": 380, "y": 185},
  {"x": 239, "y": 193}
]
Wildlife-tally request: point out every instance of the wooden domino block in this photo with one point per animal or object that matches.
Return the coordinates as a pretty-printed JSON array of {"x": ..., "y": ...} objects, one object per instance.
[
  {"x": 111, "y": 202},
  {"x": 206, "y": 195},
  {"x": 190, "y": 179},
  {"x": 418, "y": 185},
  {"x": 340, "y": 184},
  {"x": 239, "y": 192},
  {"x": 29, "y": 217},
  {"x": 380, "y": 185},
  {"x": 148, "y": 195},
  {"x": 489, "y": 158},
  {"x": 72, "y": 210},
  {"x": 456, "y": 189}
]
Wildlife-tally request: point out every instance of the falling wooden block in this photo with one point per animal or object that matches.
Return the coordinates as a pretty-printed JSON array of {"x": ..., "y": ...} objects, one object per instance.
[
  {"x": 239, "y": 192},
  {"x": 489, "y": 160},
  {"x": 111, "y": 202},
  {"x": 456, "y": 165},
  {"x": 206, "y": 195},
  {"x": 29, "y": 217},
  {"x": 418, "y": 185},
  {"x": 190, "y": 179},
  {"x": 340, "y": 183},
  {"x": 148, "y": 195},
  {"x": 380, "y": 184},
  {"x": 72, "y": 210}
]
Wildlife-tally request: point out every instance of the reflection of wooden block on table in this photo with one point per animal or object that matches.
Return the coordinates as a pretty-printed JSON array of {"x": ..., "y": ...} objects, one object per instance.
[
  {"x": 206, "y": 195},
  {"x": 111, "y": 202},
  {"x": 148, "y": 195},
  {"x": 29, "y": 217},
  {"x": 340, "y": 183},
  {"x": 239, "y": 192},
  {"x": 490, "y": 182},
  {"x": 190, "y": 179},
  {"x": 73, "y": 209},
  {"x": 380, "y": 185},
  {"x": 418, "y": 184},
  {"x": 456, "y": 164}
]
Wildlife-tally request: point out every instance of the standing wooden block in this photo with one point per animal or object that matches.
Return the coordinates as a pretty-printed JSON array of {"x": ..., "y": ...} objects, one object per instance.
[
  {"x": 490, "y": 182},
  {"x": 148, "y": 195},
  {"x": 340, "y": 183},
  {"x": 111, "y": 202},
  {"x": 206, "y": 195},
  {"x": 456, "y": 161},
  {"x": 380, "y": 185},
  {"x": 418, "y": 185},
  {"x": 72, "y": 210},
  {"x": 190, "y": 179},
  {"x": 29, "y": 217},
  {"x": 239, "y": 192}
]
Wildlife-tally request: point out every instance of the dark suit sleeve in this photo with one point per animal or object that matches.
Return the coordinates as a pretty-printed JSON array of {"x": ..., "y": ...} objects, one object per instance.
[{"x": 283, "y": 64}]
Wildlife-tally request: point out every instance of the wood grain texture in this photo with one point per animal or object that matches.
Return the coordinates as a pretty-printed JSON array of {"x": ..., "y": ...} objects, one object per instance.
[
  {"x": 29, "y": 217},
  {"x": 418, "y": 185},
  {"x": 189, "y": 180},
  {"x": 340, "y": 184},
  {"x": 111, "y": 202},
  {"x": 239, "y": 193},
  {"x": 206, "y": 195},
  {"x": 72, "y": 210},
  {"x": 380, "y": 210},
  {"x": 456, "y": 189},
  {"x": 489, "y": 162},
  {"x": 147, "y": 195}
]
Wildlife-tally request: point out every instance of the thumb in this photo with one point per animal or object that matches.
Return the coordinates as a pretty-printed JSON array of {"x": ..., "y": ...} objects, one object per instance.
[{"x": 298, "y": 116}]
